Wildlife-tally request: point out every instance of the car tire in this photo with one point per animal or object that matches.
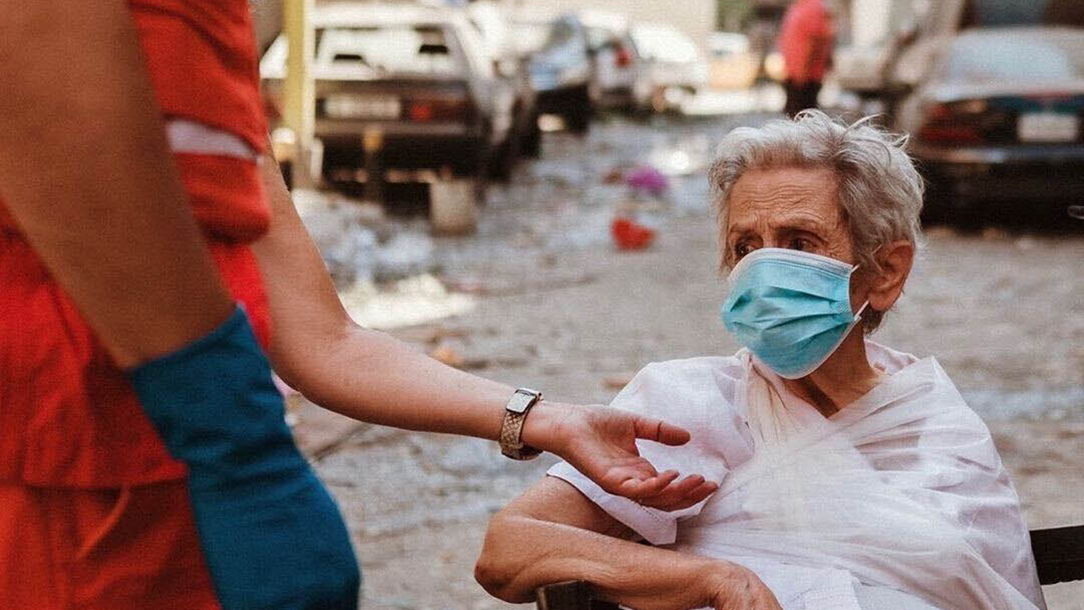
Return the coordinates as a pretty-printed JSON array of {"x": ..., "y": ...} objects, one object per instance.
[
  {"x": 578, "y": 116},
  {"x": 936, "y": 202},
  {"x": 506, "y": 157},
  {"x": 531, "y": 145}
]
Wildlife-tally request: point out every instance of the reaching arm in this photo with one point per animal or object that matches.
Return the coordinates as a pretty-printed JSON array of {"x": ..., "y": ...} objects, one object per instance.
[
  {"x": 552, "y": 533},
  {"x": 86, "y": 172},
  {"x": 370, "y": 376}
]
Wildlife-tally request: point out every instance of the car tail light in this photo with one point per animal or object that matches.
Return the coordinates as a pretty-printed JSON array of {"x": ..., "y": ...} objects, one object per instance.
[
  {"x": 953, "y": 123},
  {"x": 622, "y": 57},
  {"x": 421, "y": 111}
]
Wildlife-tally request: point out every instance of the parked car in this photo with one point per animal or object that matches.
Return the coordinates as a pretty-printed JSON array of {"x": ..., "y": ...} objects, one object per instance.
[
  {"x": 494, "y": 26},
  {"x": 413, "y": 81},
  {"x": 674, "y": 66},
  {"x": 878, "y": 32},
  {"x": 891, "y": 44},
  {"x": 559, "y": 66},
  {"x": 613, "y": 55},
  {"x": 998, "y": 119}
]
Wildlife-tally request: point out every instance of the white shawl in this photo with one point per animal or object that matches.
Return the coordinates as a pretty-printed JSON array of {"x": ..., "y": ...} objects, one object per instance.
[{"x": 902, "y": 489}]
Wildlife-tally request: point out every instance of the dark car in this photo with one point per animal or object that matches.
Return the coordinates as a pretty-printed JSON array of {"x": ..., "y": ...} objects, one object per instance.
[
  {"x": 414, "y": 80},
  {"x": 560, "y": 68},
  {"x": 998, "y": 120}
]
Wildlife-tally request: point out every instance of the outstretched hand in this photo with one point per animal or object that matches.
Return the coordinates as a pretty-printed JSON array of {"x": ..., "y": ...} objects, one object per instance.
[{"x": 600, "y": 442}]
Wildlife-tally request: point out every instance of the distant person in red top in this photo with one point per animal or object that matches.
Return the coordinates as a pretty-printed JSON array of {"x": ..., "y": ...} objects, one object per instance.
[
  {"x": 805, "y": 40},
  {"x": 152, "y": 268}
]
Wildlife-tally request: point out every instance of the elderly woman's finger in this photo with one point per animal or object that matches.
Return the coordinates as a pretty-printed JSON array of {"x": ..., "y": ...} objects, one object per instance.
[
  {"x": 645, "y": 488},
  {"x": 682, "y": 494},
  {"x": 657, "y": 430},
  {"x": 697, "y": 495}
]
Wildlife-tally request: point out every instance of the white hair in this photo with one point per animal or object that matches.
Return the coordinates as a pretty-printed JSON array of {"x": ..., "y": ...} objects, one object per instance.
[{"x": 878, "y": 189}]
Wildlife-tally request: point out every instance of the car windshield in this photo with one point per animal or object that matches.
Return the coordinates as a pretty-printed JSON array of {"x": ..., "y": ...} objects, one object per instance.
[
  {"x": 371, "y": 52},
  {"x": 561, "y": 32},
  {"x": 376, "y": 51},
  {"x": 1016, "y": 57},
  {"x": 664, "y": 44}
]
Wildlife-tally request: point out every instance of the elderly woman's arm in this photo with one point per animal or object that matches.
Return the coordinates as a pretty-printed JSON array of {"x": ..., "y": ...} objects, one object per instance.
[{"x": 552, "y": 533}]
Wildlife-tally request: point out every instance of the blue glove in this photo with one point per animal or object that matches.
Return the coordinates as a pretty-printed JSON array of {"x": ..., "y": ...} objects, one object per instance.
[{"x": 271, "y": 534}]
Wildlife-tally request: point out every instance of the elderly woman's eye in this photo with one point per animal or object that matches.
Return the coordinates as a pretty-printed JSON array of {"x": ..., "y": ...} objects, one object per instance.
[
  {"x": 800, "y": 243},
  {"x": 741, "y": 249}
]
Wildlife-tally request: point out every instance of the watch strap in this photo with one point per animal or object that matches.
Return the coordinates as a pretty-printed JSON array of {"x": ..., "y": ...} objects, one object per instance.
[{"x": 515, "y": 413}]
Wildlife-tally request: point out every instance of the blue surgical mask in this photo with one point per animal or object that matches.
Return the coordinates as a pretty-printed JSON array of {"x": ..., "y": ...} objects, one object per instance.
[{"x": 791, "y": 309}]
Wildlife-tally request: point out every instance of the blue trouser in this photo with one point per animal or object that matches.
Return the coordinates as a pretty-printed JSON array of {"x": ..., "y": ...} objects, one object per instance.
[{"x": 272, "y": 536}]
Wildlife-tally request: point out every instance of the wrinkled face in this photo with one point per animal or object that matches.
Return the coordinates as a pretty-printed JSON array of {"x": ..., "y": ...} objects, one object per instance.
[
  {"x": 786, "y": 208},
  {"x": 789, "y": 208}
]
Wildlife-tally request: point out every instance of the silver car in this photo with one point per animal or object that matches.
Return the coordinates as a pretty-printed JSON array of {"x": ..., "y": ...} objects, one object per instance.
[{"x": 998, "y": 120}]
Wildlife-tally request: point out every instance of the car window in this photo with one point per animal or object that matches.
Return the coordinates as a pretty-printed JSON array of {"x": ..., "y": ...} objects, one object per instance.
[
  {"x": 560, "y": 34},
  {"x": 1015, "y": 58},
  {"x": 376, "y": 51}
]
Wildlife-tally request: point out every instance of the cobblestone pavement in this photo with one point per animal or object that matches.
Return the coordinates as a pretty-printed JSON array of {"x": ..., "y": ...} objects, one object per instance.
[{"x": 561, "y": 310}]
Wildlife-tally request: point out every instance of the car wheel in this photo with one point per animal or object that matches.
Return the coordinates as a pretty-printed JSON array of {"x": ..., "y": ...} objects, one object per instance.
[
  {"x": 531, "y": 145},
  {"x": 504, "y": 161},
  {"x": 578, "y": 115},
  {"x": 936, "y": 202}
]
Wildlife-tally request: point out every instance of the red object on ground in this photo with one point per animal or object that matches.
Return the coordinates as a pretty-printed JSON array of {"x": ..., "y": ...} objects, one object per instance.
[{"x": 630, "y": 235}]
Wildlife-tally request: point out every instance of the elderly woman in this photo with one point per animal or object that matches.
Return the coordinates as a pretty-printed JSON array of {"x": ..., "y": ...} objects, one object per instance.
[{"x": 840, "y": 474}]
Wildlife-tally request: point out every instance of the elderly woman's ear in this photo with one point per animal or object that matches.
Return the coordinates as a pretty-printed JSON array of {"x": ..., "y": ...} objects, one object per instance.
[{"x": 884, "y": 288}]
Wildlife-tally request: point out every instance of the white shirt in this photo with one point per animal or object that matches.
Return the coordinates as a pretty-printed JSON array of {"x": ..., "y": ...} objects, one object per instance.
[{"x": 901, "y": 491}]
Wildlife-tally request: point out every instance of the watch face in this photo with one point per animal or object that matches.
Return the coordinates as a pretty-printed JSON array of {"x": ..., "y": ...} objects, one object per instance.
[{"x": 520, "y": 402}]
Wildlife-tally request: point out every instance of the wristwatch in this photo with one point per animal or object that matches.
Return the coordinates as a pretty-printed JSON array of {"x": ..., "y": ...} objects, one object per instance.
[{"x": 515, "y": 412}]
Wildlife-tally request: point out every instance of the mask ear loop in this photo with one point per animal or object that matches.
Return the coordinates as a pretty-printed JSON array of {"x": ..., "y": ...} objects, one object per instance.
[{"x": 857, "y": 314}]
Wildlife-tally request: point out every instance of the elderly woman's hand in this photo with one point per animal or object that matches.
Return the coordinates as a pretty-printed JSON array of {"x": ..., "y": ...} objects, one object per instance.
[
  {"x": 600, "y": 442},
  {"x": 729, "y": 586}
]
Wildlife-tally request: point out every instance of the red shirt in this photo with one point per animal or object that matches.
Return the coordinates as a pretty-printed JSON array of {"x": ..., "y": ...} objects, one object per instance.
[
  {"x": 805, "y": 40},
  {"x": 67, "y": 415}
]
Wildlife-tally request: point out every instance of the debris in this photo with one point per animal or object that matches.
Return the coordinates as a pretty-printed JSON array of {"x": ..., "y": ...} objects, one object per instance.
[
  {"x": 940, "y": 231},
  {"x": 617, "y": 381},
  {"x": 405, "y": 255},
  {"x": 1026, "y": 243},
  {"x": 453, "y": 207},
  {"x": 408, "y": 302},
  {"x": 994, "y": 234},
  {"x": 614, "y": 176},
  {"x": 447, "y": 354},
  {"x": 476, "y": 286},
  {"x": 648, "y": 179},
  {"x": 346, "y": 245},
  {"x": 630, "y": 235}
]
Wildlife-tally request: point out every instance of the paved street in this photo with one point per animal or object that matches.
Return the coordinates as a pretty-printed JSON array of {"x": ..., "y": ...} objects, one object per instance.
[{"x": 553, "y": 305}]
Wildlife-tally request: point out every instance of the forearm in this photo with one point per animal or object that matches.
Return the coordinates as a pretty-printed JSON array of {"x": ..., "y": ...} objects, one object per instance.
[
  {"x": 86, "y": 172},
  {"x": 522, "y": 553},
  {"x": 370, "y": 376},
  {"x": 362, "y": 373}
]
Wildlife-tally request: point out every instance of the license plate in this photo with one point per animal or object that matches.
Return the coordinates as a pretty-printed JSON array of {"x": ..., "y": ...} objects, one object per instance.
[
  {"x": 353, "y": 106},
  {"x": 1047, "y": 127}
]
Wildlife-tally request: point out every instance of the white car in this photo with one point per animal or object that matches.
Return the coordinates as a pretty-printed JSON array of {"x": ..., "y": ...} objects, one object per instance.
[
  {"x": 673, "y": 66},
  {"x": 614, "y": 56}
]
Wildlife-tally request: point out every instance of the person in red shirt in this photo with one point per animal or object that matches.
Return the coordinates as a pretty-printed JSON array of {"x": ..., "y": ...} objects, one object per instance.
[
  {"x": 142, "y": 227},
  {"x": 805, "y": 40}
]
